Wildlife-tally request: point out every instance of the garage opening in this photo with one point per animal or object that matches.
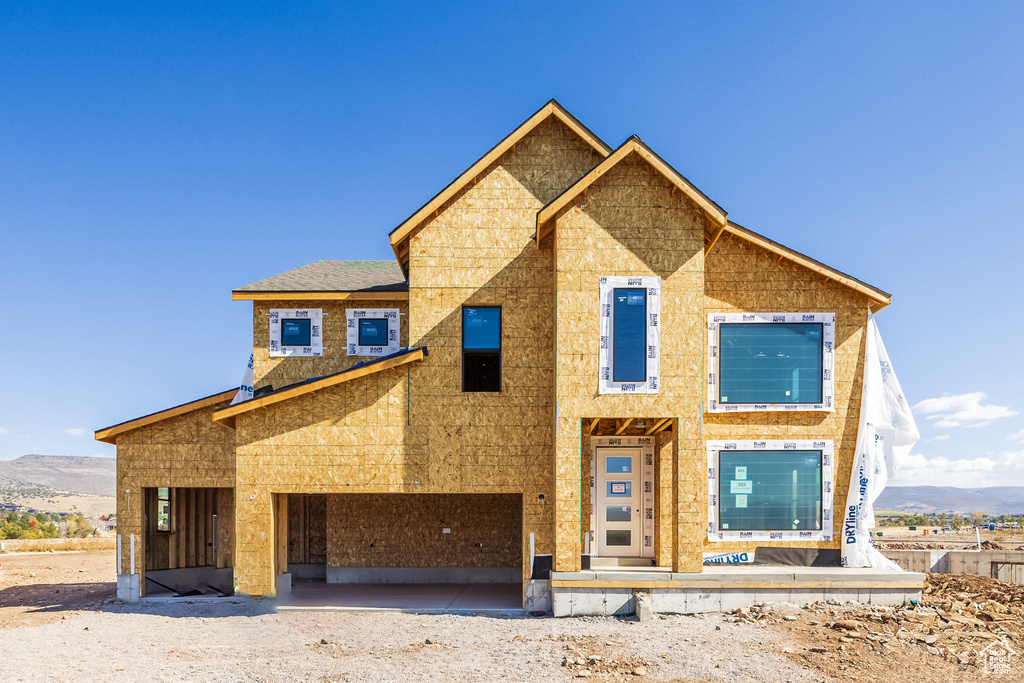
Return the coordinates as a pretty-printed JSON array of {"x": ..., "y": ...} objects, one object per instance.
[{"x": 417, "y": 552}]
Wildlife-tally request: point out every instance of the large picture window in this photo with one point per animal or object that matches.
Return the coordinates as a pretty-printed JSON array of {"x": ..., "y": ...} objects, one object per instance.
[
  {"x": 770, "y": 361},
  {"x": 481, "y": 348},
  {"x": 770, "y": 490},
  {"x": 630, "y": 328}
]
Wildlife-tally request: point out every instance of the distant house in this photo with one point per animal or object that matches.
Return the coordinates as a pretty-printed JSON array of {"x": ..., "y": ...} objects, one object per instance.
[{"x": 573, "y": 351}]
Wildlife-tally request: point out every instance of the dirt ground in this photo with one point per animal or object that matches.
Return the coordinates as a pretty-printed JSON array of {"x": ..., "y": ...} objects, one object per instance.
[{"x": 83, "y": 633}]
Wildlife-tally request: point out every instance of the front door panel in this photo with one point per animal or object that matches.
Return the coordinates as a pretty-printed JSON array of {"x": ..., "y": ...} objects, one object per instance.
[{"x": 618, "y": 502}]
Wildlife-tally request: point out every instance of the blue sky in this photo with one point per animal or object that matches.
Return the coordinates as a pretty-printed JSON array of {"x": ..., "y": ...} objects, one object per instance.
[{"x": 156, "y": 156}]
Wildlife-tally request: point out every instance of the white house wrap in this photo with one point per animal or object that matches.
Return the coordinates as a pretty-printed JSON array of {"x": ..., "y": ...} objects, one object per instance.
[{"x": 886, "y": 435}]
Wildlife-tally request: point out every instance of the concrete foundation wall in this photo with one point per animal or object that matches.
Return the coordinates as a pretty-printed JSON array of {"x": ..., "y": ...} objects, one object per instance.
[
  {"x": 959, "y": 561},
  {"x": 424, "y": 574}
]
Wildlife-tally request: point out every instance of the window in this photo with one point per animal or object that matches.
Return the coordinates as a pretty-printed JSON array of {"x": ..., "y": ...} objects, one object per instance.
[
  {"x": 770, "y": 361},
  {"x": 373, "y": 332},
  {"x": 481, "y": 348},
  {"x": 163, "y": 509},
  {"x": 629, "y": 335},
  {"x": 770, "y": 490},
  {"x": 630, "y": 328},
  {"x": 295, "y": 332}
]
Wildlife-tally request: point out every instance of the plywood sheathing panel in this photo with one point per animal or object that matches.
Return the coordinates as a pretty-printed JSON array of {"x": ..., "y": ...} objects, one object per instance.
[
  {"x": 630, "y": 222},
  {"x": 281, "y": 372},
  {"x": 743, "y": 277},
  {"x": 407, "y": 530}
]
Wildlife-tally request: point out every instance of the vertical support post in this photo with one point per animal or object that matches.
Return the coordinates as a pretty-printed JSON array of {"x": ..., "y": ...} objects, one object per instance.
[
  {"x": 131, "y": 569},
  {"x": 120, "y": 559}
]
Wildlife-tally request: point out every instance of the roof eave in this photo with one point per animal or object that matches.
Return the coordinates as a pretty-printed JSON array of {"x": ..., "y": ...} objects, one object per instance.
[{"x": 109, "y": 434}]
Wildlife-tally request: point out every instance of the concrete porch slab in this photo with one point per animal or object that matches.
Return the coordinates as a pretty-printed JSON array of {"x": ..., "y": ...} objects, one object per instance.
[
  {"x": 420, "y": 598},
  {"x": 599, "y": 592}
]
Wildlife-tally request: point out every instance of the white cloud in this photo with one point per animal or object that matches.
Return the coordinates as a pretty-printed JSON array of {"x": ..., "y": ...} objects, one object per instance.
[
  {"x": 962, "y": 410},
  {"x": 75, "y": 431},
  {"x": 8, "y": 431},
  {"x": 940, "y": 437},
  {"x": 1006, "y": 469},
  {"x": 1017, "y": 436}
]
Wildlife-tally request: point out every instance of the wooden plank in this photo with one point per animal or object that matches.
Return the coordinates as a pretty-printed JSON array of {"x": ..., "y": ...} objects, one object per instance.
[
  {"x": 231, "y": 411},
  {"x": 740, "y": 583},
  {"x": 190, "y": 516},
  {"x": 593, "y": 424},
  {"x": 107, "y": 435},
  {"x": 623, "y": 425},
  {"x": 714, "y": 238},
  {"x": 281, "y": 531},
  {"x": 656, "y": 426},
  {"x": 319, "y": 296},
  {"x": 201, "y": 527}
]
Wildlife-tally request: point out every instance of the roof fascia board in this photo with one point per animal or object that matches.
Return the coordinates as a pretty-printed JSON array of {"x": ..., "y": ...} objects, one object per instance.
[
  {"x": 226, "y": 416},
  {"x": 552, "y": 108},
  {"x": 879, "y": 299},
  {"x": 108, "y": 434},
  {"x": 319, "y": 296},
  {"x": 633, "y": 144}
]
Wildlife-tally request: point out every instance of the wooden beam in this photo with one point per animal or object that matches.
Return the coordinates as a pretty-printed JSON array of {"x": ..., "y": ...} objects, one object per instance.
[
  {"x": 714, "y": 238},
  {"x": 319, "y": 296},
  {"x": 108, "y": 435},
  {"x": 623, "y": 424},
  {"x": 593, "y": 425},
  {"x": 665, "y": 425},
  {"x": 654, "y": 427},
  {"x": 226, "y": 415}
]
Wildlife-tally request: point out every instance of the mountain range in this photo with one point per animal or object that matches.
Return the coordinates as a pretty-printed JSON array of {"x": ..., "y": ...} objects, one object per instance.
[{"x": 992, "y": 500}]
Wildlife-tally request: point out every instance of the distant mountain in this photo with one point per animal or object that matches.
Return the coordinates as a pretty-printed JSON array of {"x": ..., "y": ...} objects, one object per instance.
[
  {"x": 84, "y": 476},
  {"x": 992, "y": 500}
]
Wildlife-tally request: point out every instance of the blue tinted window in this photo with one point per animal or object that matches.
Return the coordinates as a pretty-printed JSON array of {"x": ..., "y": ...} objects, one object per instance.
[
  {"x": 295, "y": 332},
  {"x": 481, "y": 348},
  {"x": 770, "y": 363},
  {"x": 629, "y": 335},
  {"x": 373, "y": 332},
  {"x": 617, "y": 464},
  {"x": 481, "y": 327},
  {"x": 769, "y": 490}
]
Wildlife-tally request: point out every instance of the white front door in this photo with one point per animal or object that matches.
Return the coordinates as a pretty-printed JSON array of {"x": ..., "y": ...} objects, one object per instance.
[{"x": 619, "y": 488}]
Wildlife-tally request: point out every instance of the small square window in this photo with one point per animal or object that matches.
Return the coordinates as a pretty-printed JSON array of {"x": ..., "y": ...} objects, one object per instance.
[
  {"x": 295, "y": 332},
  {"x": 373, "y": 332}
]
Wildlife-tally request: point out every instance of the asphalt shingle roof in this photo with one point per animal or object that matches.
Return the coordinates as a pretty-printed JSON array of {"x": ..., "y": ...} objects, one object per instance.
[{"x": 335, "y": 276}]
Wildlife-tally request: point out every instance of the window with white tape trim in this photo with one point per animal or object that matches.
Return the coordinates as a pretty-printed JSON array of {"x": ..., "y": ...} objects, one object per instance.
[
  {"x": 372, "y": 331},
  {"x": 630, "y": 335},
  {"x": 296, "y": 332},
  {"x": 770, "y": 490},
  {"x": 771, "y": 361}
]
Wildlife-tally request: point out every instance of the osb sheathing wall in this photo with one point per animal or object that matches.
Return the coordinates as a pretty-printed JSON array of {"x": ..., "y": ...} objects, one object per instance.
[
  {"x": 280, "y": 372},
  {"x": 742, "y": 277},
  {"x": 352, "y": 437},
  {"x": 478, "y": 250},
  {"x": 630, "y": 222},
  {"x": 189, "y": 450},
  {"x": 390, "y": 530}
]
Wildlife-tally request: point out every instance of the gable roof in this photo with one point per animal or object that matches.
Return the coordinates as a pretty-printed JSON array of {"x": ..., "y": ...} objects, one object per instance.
[
  {"x": 226, "y": 416},
  {"x": 879, "y": 298},
  {"x": 400, "y": 235},
  {"x": 634, "y": 145},
  {"x": 322, "y": 278},
  {"x": 109, "y": 434}
]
